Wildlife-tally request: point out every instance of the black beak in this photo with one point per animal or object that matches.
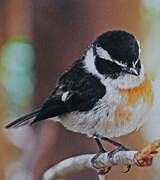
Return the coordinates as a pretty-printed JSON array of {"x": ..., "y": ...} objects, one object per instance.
[{"x": 132, "y": 71}]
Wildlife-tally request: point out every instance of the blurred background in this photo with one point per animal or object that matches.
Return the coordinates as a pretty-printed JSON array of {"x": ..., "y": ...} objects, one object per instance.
[{"x": 38, "y": 41}]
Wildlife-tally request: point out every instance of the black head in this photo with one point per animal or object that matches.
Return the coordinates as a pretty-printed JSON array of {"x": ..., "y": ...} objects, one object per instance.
[{"x": 121, "y": 49}]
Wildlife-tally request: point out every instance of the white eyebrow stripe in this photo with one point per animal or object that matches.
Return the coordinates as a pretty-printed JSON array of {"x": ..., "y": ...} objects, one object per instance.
[
  {"x": 103, "y": 53},
  {"x": 138, "y": 42},
  {"x": 136, "y": 61},
  {"x": 120, "y": 64},
  {"x": 134, "y": 64}
]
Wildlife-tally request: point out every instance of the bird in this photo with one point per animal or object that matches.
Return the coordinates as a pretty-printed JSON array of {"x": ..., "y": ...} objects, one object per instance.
[{"x": 105, "y": 93}]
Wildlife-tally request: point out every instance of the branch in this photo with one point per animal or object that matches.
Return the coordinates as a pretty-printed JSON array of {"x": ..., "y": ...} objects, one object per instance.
[{"x": 82, "y": 162}]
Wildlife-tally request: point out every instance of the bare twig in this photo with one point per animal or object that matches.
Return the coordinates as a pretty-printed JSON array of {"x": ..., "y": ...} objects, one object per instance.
[{"x": 79, "y": 163}]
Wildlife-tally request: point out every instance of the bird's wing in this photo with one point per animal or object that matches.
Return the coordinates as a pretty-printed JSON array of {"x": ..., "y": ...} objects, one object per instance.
[{"x": 73, "y": 93}]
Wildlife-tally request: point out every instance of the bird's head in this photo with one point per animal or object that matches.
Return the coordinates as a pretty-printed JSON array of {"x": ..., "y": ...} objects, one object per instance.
[{"x": 115, "y": 55}]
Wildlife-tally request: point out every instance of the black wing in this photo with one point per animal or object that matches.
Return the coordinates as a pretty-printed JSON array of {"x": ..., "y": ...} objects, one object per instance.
[{"x": 76, "y": 90}]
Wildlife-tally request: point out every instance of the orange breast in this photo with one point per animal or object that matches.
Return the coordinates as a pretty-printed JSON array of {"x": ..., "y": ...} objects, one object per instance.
[{"x": 131, "y": 98}]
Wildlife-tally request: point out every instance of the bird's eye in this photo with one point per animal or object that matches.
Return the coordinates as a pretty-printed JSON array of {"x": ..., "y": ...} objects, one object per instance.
[{"x": 107, "y": 67}]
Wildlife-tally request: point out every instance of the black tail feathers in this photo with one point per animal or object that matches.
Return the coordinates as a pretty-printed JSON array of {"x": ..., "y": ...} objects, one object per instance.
[{"x": 26, "y": 119}]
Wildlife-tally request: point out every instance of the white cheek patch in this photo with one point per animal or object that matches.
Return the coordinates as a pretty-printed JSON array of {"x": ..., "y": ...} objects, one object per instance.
[
  {"x": 89, "y": 63},
  {"x": 65, "y": 96},
  {"x": 129, "y": 81}
]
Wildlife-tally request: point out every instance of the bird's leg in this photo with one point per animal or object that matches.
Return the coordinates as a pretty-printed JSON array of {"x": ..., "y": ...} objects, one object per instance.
[
  {"x": 93, "y": 160},
  {"x": 120, "y": 147},
  {"x": 100, "y": 146}
]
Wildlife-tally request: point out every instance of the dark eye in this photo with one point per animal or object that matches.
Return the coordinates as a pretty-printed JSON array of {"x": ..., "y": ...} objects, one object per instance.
[{"x": 107, "y": 67}]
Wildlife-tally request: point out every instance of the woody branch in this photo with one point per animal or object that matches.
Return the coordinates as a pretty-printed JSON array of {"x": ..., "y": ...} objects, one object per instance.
[{"x": 75, "y": 164}]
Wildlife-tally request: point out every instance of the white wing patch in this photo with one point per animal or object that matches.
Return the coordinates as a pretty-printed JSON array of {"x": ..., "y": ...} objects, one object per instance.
[{"x": 65, "y": 96}]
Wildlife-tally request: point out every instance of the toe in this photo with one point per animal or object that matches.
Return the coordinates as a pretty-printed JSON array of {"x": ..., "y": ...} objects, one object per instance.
[{"x": 128, "y": 169}]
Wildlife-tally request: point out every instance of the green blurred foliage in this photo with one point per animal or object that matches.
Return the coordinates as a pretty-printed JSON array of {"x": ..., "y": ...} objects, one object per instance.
[
  {"x": 16, "y": 74},
  {"x": 150, "y": 14}
]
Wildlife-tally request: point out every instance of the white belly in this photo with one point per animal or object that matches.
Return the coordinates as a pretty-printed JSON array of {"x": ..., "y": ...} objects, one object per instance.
[{"x": 101, "y": 120}]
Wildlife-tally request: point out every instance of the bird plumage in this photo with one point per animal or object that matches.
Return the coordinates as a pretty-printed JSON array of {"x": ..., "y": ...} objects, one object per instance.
[
  {"x": 105, "y": 92},
  {"x": 26, "y": 119}
]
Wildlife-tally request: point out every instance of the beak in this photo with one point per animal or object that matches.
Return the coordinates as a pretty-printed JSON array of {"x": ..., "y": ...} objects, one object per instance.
[{"x": 132, "y": 71}]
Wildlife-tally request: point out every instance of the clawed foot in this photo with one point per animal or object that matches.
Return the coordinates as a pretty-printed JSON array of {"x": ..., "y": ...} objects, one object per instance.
[
  {"x": 120, "y": 148},
  {"x": 101, "y": 170},
  {"x": 128, "y": 169},
  {"x": 105, "y": 171}
]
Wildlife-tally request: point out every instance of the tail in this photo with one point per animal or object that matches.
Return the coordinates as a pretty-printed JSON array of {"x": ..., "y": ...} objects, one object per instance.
[{"x": 26, "y": 119}]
